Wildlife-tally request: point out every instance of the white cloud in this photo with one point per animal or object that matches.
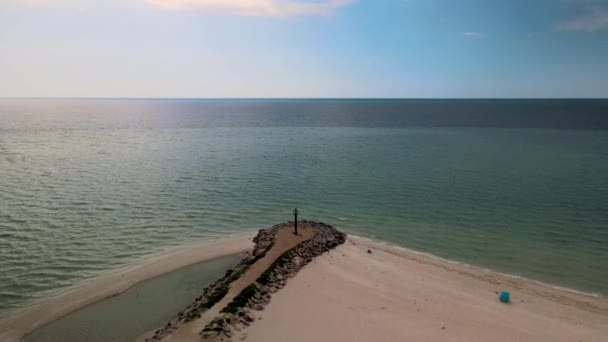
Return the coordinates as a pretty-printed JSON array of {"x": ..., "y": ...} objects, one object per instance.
[
  {"x": 274, "y": 8},
  {"x": 472, "y": 34},
  {"x": 595, "y": 20}
]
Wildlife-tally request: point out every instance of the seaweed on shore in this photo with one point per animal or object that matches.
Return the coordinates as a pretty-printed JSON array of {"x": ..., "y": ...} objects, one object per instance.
[
  {"x": 263, "y": 254},
  {"x": 241, "y": 299},
  {"x": 237, "y": 274},
  {"x": 220, "y": 292},
  {"x": 279, "y": 262},
  {"x": 217, "y": 295}
]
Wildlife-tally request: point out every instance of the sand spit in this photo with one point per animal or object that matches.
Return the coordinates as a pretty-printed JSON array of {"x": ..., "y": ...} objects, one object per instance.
[
  {"x": 90, "y": 291},
  {"x": 390, "y": 294}
]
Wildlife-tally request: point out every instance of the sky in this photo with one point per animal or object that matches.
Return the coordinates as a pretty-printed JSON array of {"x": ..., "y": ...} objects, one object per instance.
[{"x": 304, "y": 48}]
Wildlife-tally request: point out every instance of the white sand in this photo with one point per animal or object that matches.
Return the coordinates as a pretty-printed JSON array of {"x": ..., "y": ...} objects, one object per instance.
[
  {"x": 93, "y": 290},
  {"x": 396, "y": 295},
  {"x": 350, "y": 295}
]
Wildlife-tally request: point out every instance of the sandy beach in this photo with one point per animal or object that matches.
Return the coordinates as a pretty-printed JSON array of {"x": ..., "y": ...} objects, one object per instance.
[
  {"x": 115, "y": 282},
  {"x": 360, "y": 291},
  {"x": 394, "y": 295}
]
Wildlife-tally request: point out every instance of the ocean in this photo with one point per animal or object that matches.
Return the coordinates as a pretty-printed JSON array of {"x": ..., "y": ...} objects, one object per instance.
[{"x": 88, "y": 185}]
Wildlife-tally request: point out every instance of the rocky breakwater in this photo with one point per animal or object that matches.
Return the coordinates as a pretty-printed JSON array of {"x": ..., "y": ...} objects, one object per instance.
[
  {"x": 255, "y": 296},
  {"x": 213, "y": 293},
  {"x": 238, "y": 314}
]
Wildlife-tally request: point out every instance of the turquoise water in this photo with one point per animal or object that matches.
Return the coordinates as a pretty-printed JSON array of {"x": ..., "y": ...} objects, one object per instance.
[
  {"x": 87, "y": 186},
  {"x": 144, "y": 307}
]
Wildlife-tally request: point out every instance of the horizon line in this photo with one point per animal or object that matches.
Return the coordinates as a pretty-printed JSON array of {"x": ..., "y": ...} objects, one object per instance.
[{"x": 289, "y": 98}]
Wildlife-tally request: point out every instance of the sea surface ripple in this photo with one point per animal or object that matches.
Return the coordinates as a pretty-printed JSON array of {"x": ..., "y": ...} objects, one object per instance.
[{"x": 88, "y": 186}]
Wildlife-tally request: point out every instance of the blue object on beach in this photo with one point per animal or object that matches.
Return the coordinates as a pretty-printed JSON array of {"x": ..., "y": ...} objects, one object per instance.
[{"x": 504, "y": 297}]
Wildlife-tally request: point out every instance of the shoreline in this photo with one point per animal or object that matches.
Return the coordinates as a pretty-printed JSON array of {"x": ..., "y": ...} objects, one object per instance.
[
  {"x": 477, "y": 272},
  {"x": 37, "y": 315},
  {"x": 380, "y": 244},
  {"x": 388, "y": 294},
  {"x": 89, "y": 291}
]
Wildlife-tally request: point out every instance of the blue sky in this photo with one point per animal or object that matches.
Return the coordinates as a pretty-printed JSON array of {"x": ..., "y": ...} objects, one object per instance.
[{"x": 286, "y": 48}]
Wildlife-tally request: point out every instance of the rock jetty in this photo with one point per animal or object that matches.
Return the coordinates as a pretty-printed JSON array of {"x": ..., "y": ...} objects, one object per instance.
[{"x": 237, "y": 315}]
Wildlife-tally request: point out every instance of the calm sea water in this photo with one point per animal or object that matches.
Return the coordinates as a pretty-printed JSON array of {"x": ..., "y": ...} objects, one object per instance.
[{"x": 90, "y": 185}]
